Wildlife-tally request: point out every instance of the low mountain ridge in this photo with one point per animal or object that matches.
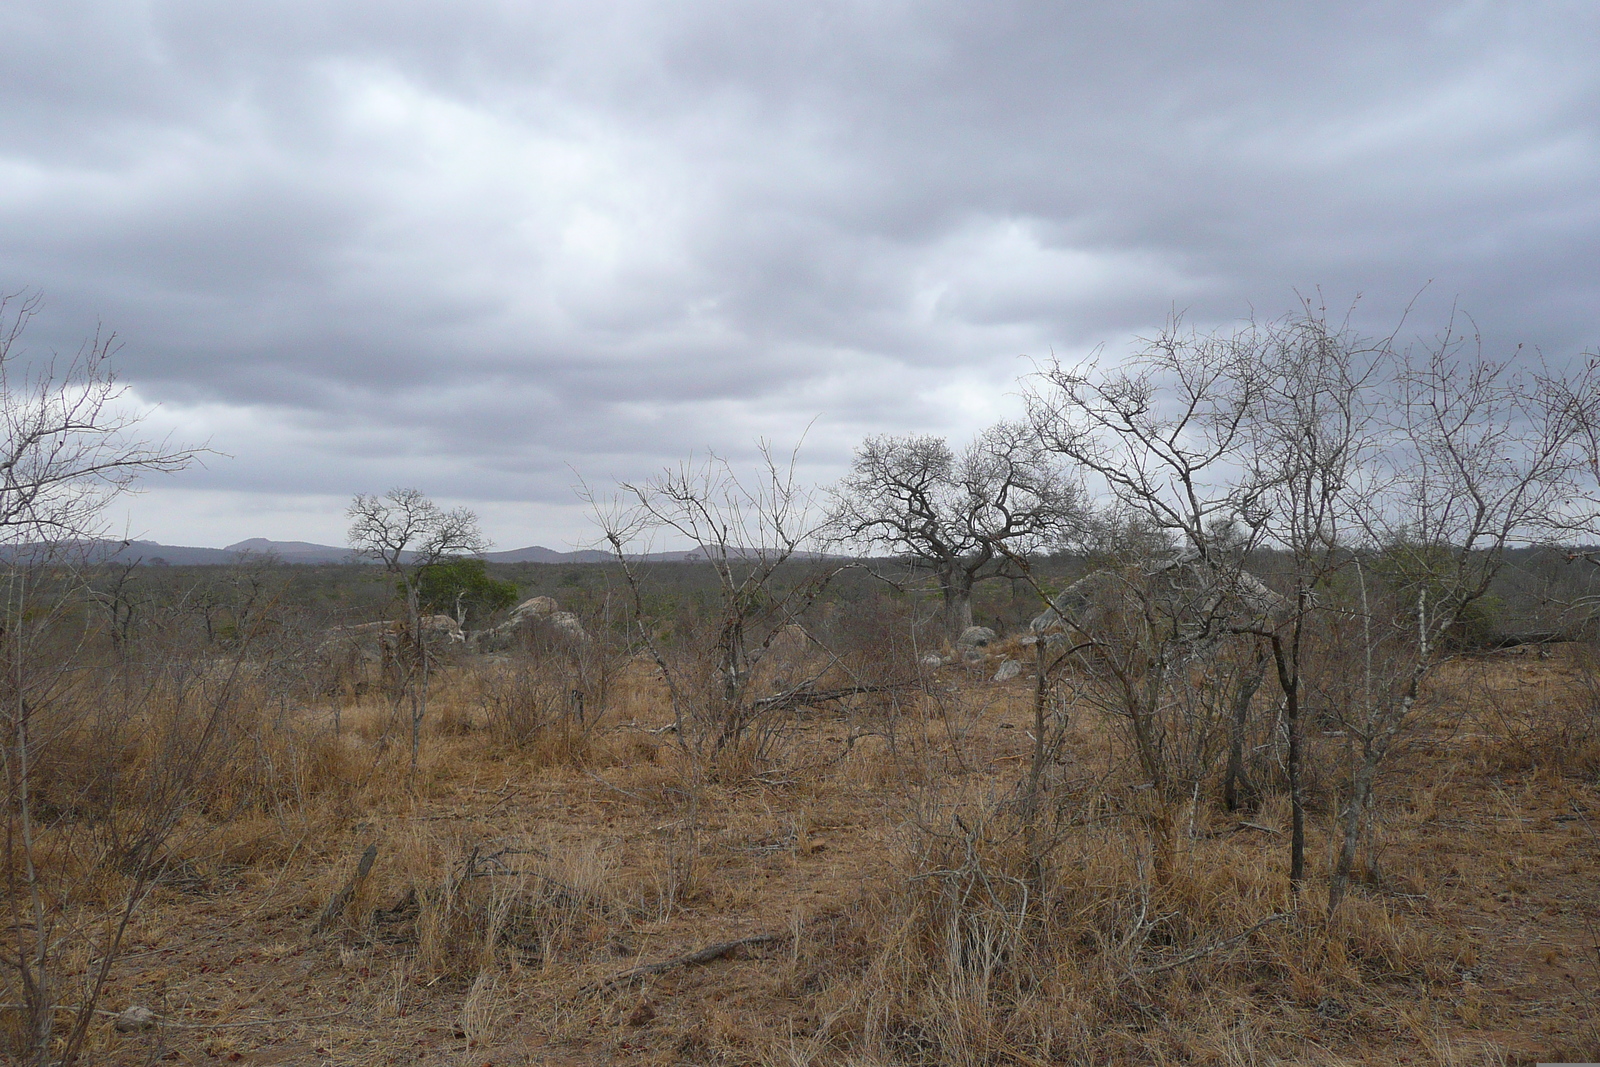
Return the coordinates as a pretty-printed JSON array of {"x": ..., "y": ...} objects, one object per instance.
[{"x": 154, "y": 553}]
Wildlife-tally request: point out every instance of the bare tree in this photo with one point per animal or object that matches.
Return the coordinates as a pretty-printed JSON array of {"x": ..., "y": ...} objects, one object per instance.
[
  {"x": 67, "y": 449},
  {"x": 1476, "y": 457},
  {"x": 1162, "y": 439},
  {"x": 1410, "y": 472},
  {"x": 406, "y": 532},
  {"x": 747, "y": 529},
  {"x": 67, "y": 446},
  {"x": 1312, "y": 439},
  {"x": 967, "y": 517}
]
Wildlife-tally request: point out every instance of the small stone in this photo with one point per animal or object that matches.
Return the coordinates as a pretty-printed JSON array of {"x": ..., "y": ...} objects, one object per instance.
[
  {"x": 1008, "y": 670},
  {"x": 136, "y": 1017},
  {"x": 932, "y": 659}
]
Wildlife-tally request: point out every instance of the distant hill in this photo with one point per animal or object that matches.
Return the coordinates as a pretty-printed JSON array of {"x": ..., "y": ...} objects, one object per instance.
[
  {"x": 153, "y": 553},
  {"x": 291, "y": 551},
  {"x": 119, "y": 552},
  {"x": 302, "y": 552},
  {"x": 540, "y": 554}
]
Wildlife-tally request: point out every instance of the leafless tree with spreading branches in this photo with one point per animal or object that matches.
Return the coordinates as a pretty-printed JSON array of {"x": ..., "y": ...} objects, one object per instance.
[
  {"x": 748, "y": 528},
  {"x": 965, "y": 517},
  {"x": 406, "y": 532},
  {"x": 1388, "y": 484},
  {"x": 68, "y": 447}
]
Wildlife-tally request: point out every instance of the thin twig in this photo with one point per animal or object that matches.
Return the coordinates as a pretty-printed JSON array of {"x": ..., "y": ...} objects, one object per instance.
[
  {"x": 1215, "y": 946},
  {"x": 704, "y": 955},
  {"x": 806, "y": 696}
]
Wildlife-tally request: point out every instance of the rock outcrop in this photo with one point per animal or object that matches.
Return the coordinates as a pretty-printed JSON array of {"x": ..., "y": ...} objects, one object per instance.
[
  {"x": 974, "y": 637},
  {"x": 535, "y": 608},
  {"x": 535, "y": 620}
]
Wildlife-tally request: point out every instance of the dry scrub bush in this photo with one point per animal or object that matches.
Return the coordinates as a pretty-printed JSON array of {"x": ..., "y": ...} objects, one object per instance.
[
  {"x": 1575, "y": 733},
  {"x": 1006, "y": 941},
  {"x": 523, "y": 707},
  {"x": 107, "y": 779},
  {"x": 470, "y": 911}
]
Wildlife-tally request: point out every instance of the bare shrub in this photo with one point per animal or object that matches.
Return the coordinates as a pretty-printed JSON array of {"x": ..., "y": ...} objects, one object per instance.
[
  {"x": 521, "y": 706},
  {"x": 753, "y": 533},
  {"x": 1391, "y": 483},
  {"x": 472, "y": 910},
  {"x": 1553, "y": 728}
]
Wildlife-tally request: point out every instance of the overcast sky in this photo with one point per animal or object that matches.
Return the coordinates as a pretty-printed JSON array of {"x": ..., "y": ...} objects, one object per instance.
[{"x": 477, "y": 247}]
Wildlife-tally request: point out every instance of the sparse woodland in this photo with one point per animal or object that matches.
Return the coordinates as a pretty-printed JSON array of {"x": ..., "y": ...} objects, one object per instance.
[{"x": 1285, "y": 747}]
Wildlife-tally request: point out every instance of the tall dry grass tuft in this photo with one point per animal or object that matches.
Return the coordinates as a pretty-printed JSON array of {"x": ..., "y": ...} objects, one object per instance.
[
  {"x": 472, "y": 913},
  {"x": 1006, "y": 940},
  {"x": 1527, "y": 710},
  {"x": 108, "y": 770}
]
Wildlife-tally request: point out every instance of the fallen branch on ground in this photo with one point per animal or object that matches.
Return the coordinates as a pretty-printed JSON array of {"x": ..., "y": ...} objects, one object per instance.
[
  {"x": 705, "y": 955},
  {"x": 807, "y": 696},
  {"x": 164, "y": 1021},
  {"x": 1244, "y": 826},
  {"x": 1215, "y": 946}
]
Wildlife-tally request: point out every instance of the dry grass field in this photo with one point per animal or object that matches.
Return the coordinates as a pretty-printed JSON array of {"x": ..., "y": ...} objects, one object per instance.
[{"x": 861, "y": 883}]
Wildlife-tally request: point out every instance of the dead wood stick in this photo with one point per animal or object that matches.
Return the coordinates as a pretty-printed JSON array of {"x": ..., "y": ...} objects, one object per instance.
[
  {"x": 806, "y": 695},
  {"x": 704, "y": 955},
  {"x": 1215, "y": 946},
  {"x": 286, "y": 1020},
  {"x": 341, "y": 900},
  {"x": 1235, "y": 828}
]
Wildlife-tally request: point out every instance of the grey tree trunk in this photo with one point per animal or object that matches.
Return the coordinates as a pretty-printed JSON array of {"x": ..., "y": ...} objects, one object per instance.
[
  {"x": 416, "y": 672},
  {"x": 957, "y": 590},
  {"x": 1237, "y": 781},
  {"x": 1350, "y": 827},
  {"x": 1380, "y": 733}
]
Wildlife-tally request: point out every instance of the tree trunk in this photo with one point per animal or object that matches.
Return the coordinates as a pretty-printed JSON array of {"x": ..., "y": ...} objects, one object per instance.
[
  {"x": 957, "y": 590},
  {"x": 735, "y": 668},
  {"x": 1163, "y": 825},
  {"x": 1297, "y": 803},
  {"x": 1380, "y": 733},
  {"x": 1289, "y": 683},
  {"x": 1237, "y": 781},
  {"x": 419, "y": 703},
  {"x": 1350, "y": 825},
  {"x": 1041, "y": 697}
]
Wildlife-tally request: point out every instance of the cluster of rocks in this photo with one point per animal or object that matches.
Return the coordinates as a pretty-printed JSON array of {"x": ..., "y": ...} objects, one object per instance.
[
  {"x": 384, "y": 637},
  {"x": 536, "y": 617},
  {"x": 972, "y": 649}
]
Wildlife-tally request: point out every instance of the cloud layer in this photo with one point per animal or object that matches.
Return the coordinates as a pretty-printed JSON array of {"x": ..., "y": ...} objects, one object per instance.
[{"x": 477, "y": 247}]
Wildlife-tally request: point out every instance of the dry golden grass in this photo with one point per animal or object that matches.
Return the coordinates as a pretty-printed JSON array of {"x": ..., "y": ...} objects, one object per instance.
[{"x": 917, "y": 913}]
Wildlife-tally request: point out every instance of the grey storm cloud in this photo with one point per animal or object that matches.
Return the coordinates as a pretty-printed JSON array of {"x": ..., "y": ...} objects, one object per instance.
[{"x": 478, "y": 246}]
